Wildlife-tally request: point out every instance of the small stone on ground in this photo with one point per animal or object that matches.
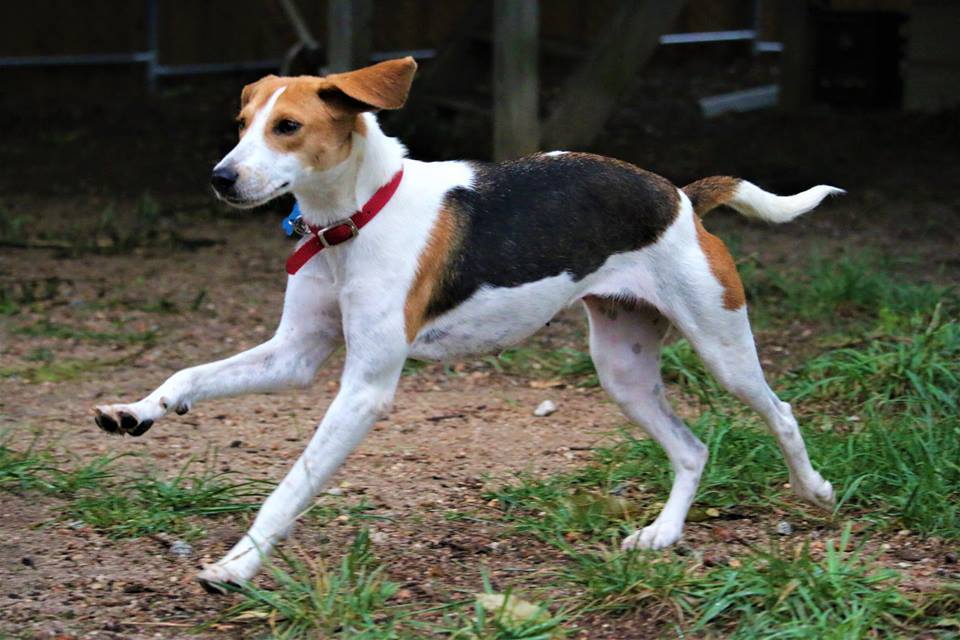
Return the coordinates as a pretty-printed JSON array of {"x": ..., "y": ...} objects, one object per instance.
[
  {"x": 181, "y": 548},
  {"x": 544, "y": 409}
]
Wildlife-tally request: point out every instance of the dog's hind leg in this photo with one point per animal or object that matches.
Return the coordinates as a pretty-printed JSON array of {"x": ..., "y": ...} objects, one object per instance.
[
  {"x": 705, "y": 301},
  {"x": 625, "y": 346},
  {"x": 723, "y": 340}
]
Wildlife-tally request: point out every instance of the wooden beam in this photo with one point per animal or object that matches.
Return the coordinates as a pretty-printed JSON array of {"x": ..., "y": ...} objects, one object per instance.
[
  {"x": 348, "y": 34},
  {"x": 516, "y": 85},
  {"x": 593, "y": 91},
  {"x": 796, "y": 63}
]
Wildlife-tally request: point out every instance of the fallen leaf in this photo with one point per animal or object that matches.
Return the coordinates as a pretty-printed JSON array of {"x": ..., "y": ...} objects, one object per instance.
[
  {"x": 511, "y": 608},
  {"x": 546, "y": 384}
]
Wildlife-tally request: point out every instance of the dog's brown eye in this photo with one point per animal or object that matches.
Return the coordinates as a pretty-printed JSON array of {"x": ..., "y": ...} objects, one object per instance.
[
  {"x": 241, "y": 123},
  {"x": 286, "y": 127}
]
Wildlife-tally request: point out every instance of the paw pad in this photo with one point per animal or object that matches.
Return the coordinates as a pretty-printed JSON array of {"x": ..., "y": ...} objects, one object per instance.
[{"x": 121, "y": 422}]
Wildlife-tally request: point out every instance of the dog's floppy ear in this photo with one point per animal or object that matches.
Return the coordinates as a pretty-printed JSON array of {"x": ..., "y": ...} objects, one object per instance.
[
  {"x": 380, "y": 86},
  {"x": 248, "y": 91}
]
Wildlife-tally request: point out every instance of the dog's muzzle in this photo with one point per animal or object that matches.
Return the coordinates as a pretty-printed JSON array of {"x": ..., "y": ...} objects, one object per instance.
[{"x": 224, "y": 181}]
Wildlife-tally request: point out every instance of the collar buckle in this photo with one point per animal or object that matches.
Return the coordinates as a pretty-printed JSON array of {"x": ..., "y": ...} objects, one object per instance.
[
  {"x": 300, "y": 227},
  {"x": 348, "y": 222}
]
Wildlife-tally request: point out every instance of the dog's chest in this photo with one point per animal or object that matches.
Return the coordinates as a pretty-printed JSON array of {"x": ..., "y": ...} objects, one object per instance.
[{"x": 493, "y": 318}]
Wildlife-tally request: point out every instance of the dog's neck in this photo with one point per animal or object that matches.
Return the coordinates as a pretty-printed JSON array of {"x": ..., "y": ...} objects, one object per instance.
[{"x": 339, "y": 192}]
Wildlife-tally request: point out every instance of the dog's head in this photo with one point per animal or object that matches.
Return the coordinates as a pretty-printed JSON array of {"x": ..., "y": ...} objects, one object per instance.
[{"x": 293, "y": 127}]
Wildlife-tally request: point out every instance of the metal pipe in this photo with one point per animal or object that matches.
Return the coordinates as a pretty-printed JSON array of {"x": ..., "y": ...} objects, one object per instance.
[
  {"x": 739, "y": 101},
  {"x": 168, "y": 70},
  {"x": 177, "y": 69},
  {"x": 75, "y": 59},
  {"x": 768, "y": 46},
  {"x": 708, "y": 36},
  {"x": 420, "y": 54}
]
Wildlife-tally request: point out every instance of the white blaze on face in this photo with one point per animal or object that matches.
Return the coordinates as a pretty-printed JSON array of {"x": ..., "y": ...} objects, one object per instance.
[{"x": 263, "y": 172}]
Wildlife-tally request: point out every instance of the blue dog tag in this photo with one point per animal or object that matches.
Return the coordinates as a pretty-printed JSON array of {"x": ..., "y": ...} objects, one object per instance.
[{"x": 289, "y": 221}]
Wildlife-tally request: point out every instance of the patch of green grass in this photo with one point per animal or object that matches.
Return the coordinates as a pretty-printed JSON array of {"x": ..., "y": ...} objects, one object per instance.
[
  {"x": 90, "y": 476},
  {"x": 33, "y": 469},
  {"x": 8, "y": 307},
  {"x": 940, "y": 610},
  {"x": 502, "y": 616},
  {"x": 898, "y": 463},
  {"x": 46, "y": 328},
  {"x": 21, "y": 470},
  {"x": 123, "y": 507},
  {"x": 898, "y": 474},
  {"x": 625, "y": 484},
  {"x": 136, "y": 507},
  {"x": 618, "y": 581},
  {"x": 312, "y": 600},
  {"x": 541, "y": 363},
  {"x": 44, "y": 367},
  {"x": 162, "y": 304},
  {"x": 22, "y": 294},
  {"x": 916, "y": 372},
  {"x": 56, "y": 371},
  {"x": 849, "y": 286},
  {"x": 787, "y": 593},
  {"x": 412, "y": 367},
  {"x": 39, "y": 354},
  {"x": 681, "y": 365},
  {"x": 781, "y": 592},
  {"x": 893, "y": 473}
]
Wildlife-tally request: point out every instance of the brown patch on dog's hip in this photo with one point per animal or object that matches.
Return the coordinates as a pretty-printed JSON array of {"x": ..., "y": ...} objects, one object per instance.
[{"x": 723, "y": 267}]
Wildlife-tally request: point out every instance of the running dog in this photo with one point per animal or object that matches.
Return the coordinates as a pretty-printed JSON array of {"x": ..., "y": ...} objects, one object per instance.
[{"x": 434, "y": 260}]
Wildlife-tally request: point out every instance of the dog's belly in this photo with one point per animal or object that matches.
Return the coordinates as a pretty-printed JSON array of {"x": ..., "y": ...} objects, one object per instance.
[{"x": 494, "y": 318}]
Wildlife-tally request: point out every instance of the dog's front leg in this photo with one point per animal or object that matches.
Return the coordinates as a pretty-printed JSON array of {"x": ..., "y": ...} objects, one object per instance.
[
  {"x": 373, "y": 365},
  {"x": 309, "y": 331}
]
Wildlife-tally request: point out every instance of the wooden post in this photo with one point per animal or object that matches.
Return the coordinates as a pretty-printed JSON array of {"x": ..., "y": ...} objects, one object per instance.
[
  {"x": 598, "y": 84},
  {"x": 796, "y": 62},
  {"x": 516, "y": 86},
  {"x": 348, "y": 34}
]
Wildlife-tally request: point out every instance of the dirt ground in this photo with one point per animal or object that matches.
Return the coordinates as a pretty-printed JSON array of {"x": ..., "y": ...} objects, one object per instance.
[{"x": 450, "y": 435}]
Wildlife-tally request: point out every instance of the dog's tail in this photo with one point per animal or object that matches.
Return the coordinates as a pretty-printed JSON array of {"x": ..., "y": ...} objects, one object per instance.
[{"x": 752, "y": 201}]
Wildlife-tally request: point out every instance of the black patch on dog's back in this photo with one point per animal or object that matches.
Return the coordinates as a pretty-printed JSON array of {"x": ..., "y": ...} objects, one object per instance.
[{"x": 530, "y": 219}]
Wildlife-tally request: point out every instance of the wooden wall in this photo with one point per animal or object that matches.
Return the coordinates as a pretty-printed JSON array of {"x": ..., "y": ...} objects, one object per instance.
[
  {"x": 234, "y": 30},
  {"x": 933, "y": 56}
]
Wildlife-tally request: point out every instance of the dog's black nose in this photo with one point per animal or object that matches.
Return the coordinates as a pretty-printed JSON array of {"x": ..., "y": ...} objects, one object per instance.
[{"x": 223, "y": 179}]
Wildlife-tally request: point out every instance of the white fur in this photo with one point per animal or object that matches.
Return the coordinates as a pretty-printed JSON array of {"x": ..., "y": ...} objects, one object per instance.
[
  {"x": 754, "y": 202},
  {"x": 355, "y": 293}
]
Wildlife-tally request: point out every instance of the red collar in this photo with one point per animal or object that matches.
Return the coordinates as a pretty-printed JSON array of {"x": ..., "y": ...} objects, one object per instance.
[{"x": 345, "y": 229}]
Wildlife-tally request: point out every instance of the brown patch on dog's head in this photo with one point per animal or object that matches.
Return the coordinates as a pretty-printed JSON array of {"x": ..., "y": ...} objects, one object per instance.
[
  {"x": 315, "y": 117},
  {"x": 431, "y": 270},
  {"x": 723, "y": 267}
]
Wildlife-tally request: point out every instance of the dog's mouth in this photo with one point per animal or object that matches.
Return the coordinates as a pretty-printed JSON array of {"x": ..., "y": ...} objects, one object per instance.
[{"x": 249, "y": 202}]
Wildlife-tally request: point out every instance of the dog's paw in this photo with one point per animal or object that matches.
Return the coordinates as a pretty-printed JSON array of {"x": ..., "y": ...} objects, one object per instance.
[
  {"x": 819, "y": 493},
  {"x": 121, "y": 419},
  {"x": 216, "y": 579},
  {"x": 656, "y": 536}
]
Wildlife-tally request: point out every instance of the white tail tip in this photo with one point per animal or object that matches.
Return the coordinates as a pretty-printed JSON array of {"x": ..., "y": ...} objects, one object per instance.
[{"x": 754, "y": 202}]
